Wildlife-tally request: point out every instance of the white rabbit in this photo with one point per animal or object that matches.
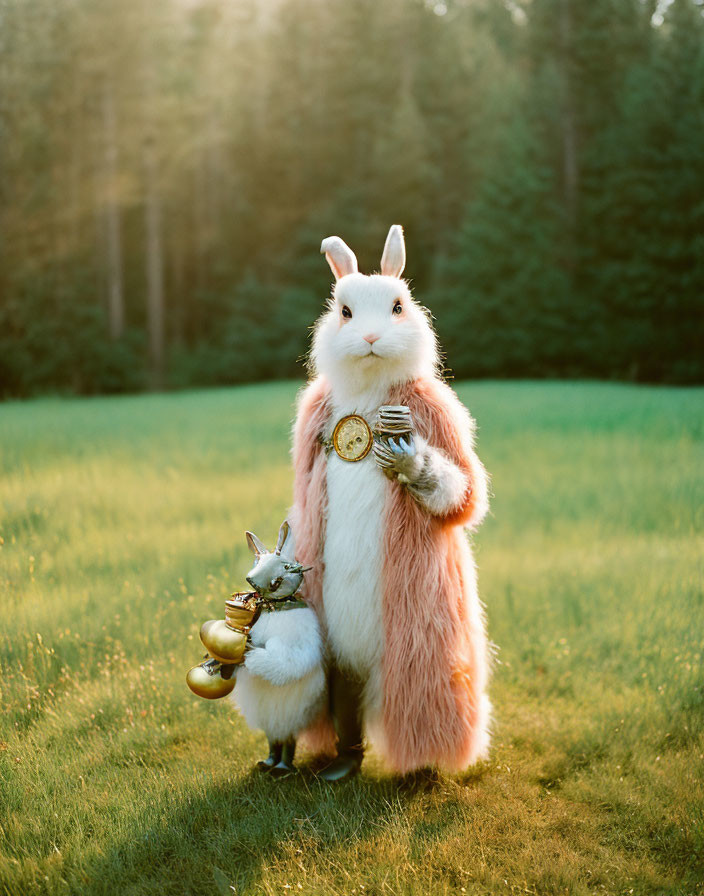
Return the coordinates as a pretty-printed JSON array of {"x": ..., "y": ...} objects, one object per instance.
[
  {"x": 398, "y": 594},
  {"x": 281, "y": 687}
]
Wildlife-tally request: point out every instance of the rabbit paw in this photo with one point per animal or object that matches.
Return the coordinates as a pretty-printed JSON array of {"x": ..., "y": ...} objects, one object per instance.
[
  {"x": 399, "y": 458},
  {"x": 258, "y": 661}
]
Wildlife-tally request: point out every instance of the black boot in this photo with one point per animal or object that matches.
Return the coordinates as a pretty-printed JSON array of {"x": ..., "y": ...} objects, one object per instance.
[
  {"x": 345, "y": 708},
  {"x": 274, "y": 757},
  {"x": 285, "y": 764}
]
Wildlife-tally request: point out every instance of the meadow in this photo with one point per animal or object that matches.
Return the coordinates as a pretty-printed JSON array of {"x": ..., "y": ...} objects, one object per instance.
[{"x": 121, "y": 524}]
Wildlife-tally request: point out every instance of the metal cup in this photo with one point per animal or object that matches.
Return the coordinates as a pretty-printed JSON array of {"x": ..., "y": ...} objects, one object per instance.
[{"x": 393, "y": 421}]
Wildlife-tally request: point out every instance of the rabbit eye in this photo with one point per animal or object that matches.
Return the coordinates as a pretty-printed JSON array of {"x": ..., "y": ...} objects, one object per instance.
[
  {"x": 346, "y": 312},
  {"x": 398, "y": 307}
]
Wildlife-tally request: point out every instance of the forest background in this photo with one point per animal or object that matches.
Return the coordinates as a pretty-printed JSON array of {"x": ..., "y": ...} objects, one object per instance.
[{"x": 169, "y": 168}]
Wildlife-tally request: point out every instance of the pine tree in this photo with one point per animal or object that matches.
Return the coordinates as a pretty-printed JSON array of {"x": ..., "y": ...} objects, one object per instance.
[
  {"x": 644, "y": 263},
  {"x": 505, "y": 309}
]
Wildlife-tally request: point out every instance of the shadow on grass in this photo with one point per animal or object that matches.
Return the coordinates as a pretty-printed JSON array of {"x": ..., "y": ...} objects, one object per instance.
[{"x": 222, "y": 838}]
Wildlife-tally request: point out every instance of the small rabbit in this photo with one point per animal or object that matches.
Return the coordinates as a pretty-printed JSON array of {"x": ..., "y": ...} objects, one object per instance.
[
  {"x": 281, "y": 687},
  {"x": 383, "y": 523}
]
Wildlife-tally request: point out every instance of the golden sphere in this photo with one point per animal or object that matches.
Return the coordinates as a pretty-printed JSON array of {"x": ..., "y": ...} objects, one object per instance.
[
  {"x": 222, "y": 642},
  {"x": 209, "y": 684}
]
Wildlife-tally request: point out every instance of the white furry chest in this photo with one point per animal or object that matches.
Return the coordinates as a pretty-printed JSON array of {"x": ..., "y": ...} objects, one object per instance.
[{"x": 352, "y": 584}]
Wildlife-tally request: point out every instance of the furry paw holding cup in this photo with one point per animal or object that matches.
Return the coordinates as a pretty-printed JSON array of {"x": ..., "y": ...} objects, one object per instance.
[
  {"x": 395, "y": 448},
  {"x": 429, "y": 476}
]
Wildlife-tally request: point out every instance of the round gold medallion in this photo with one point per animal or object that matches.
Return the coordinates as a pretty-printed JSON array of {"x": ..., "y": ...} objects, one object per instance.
[{"x": 352, "y": 438}]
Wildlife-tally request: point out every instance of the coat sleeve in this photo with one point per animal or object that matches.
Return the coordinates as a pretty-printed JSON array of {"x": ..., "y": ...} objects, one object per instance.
[
  {"x": 308, "y": 509},
  {"x": 310, "y": 417},
  {"x": 454, "y": 484}
]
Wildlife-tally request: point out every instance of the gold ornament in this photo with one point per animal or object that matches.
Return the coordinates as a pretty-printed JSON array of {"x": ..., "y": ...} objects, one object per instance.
[
  {"x": 226, "y": 639},
  {"x": 206, "y": 680},
  {"x": 223, "y": 643},
  {"x": 352, "y": 438},
  {"x": 241, "y": 609},
  {"x": 226, "y": 642}
]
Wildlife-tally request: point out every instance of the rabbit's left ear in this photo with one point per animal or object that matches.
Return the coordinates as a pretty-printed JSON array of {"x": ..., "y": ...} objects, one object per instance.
[
  {"x": 393, "y": 261},
  {"x": 285, "y": 546},
  {"x": 255, "y": 545},
  {"x": 340, "y": 257}
]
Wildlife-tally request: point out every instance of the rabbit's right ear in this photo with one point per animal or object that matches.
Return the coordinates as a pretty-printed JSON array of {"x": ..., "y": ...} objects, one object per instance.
[
  {"x": 393, "y": 261},
  {"x": 255, "y": 546},
  {"x": 340, "y": 257},
  {"x": 285, "y": 546}
]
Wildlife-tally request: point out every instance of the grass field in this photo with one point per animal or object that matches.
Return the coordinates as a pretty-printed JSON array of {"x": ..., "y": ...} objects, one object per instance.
[{"x": 122, "y": 522}]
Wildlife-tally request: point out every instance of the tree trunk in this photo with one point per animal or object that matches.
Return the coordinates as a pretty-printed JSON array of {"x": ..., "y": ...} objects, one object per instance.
[
  {"x": 116, "y": 299},
  {"x": 155, "y": 267},
  {"x": 570, "y": 163}
]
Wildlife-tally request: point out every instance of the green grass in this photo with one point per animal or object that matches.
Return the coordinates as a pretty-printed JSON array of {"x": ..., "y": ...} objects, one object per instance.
[{"x": 123, "y": 520}]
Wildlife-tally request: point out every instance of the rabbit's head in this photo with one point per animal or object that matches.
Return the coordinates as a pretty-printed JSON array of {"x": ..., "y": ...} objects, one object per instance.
[
  {"x": 373, "y": 334},
  {"x": 276, "y": 575}
]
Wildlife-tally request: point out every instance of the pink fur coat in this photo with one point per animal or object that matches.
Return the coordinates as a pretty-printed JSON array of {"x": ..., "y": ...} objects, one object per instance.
[{"x": 434, "y": 707}]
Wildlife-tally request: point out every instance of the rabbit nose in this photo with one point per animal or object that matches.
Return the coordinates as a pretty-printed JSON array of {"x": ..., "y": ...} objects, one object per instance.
[{"x": 371, "y": 338}]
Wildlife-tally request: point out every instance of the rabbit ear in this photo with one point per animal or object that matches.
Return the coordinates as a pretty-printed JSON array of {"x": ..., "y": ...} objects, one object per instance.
[
  {"x": 285, "y": 546},
  {"x": 393, "y": 261},
  {"x": 255, "y": 546},
  {"x": 340, "y": 257}
]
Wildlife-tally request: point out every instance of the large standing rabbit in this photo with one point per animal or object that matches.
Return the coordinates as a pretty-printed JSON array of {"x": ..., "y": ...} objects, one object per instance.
[
  {"x": 281, "y": 686},
  {"x": 394, "y": 581}
]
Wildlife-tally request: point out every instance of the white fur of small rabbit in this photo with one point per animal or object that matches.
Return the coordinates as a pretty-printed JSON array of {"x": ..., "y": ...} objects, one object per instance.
[
  {"x": 281, "y": 688},
  {"x": 364, "y": 344}
]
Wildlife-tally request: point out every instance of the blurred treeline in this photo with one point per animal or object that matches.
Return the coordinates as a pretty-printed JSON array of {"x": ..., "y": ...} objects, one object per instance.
[{"x": 169, "y": 168}]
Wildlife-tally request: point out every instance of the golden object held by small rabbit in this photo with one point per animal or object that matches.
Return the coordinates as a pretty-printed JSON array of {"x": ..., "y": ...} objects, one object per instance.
[
  {"x": 226, "y": 639},
  {"x": 226, "y": 642},
  {"x": 207, "y": 680}
]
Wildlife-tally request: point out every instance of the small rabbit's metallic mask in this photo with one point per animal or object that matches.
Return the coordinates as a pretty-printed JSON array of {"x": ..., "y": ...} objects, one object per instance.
[{"x": 276, "y": 575}]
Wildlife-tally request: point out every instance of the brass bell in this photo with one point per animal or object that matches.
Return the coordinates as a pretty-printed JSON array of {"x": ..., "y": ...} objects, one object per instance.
[{"x": 206, "y": 680}]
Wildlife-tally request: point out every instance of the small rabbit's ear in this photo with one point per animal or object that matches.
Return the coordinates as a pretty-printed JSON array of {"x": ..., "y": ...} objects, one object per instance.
[
  {"x": 255, "y": 546},
  {"x": 393, "y": 261},
  {"x": 340, "y": 257},
  {"x": 286, "y": 546}
]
